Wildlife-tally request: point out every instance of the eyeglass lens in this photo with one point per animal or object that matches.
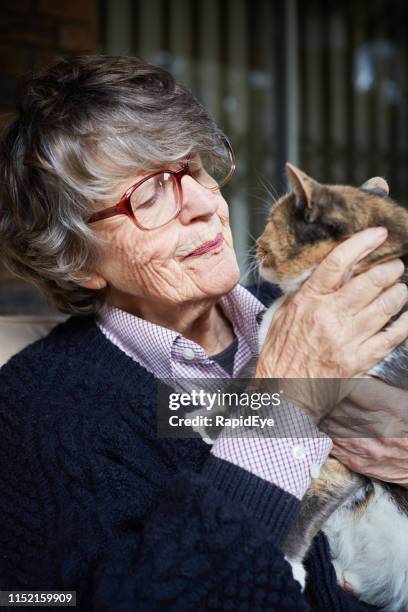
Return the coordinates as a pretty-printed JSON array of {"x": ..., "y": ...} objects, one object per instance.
[{"x": 156, "y": 201}]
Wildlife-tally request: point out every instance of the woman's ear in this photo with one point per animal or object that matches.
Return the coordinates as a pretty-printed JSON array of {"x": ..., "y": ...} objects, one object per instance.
[{"x": 94, "y": 281}]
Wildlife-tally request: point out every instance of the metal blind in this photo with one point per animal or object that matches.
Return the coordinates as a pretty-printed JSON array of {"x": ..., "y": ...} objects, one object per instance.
[{"x": 353, "y": 91}]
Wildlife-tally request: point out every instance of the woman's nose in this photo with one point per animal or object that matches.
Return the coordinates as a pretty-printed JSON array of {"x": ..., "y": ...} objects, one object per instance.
[{"x": 198, "y": 202}]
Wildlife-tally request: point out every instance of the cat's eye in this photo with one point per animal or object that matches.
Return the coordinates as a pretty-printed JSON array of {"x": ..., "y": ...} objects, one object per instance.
[{"x": 335, "y": 227}]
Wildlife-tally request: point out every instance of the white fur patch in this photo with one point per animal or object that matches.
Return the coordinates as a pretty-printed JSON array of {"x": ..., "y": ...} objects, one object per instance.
[
  {"x": 370, "y": 551},
  {"x": 298, "y": 571},
  {"x": 267, "y": 320},
  {"x": 292, "y": 284},
  {"x": 289, "y": 285}
]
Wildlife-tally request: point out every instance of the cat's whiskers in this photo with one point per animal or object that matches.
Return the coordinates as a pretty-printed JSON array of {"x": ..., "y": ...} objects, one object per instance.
[
  {"x": 252, "y": 270},
  {"x": 269, "y": 188},
  {"x": 266, "y": 205},
  {"x": 251, "y": 236},
  {"x": 268, "y": 194},
  {"x": 252, "y": 263}
]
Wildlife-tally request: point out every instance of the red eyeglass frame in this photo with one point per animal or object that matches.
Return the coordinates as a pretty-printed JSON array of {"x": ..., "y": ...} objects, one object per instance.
[{"x": 123, "y": 207}]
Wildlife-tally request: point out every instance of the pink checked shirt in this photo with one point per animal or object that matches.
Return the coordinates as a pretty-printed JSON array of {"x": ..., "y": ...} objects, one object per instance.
[{"x": 289, "y": 462}]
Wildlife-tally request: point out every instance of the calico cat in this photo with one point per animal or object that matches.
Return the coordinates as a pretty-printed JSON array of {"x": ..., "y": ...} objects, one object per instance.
[{"x": 366, "y": 521}]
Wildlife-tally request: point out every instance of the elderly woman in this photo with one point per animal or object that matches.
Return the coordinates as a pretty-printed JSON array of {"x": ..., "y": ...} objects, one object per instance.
[{"x": 111, "y": 202}]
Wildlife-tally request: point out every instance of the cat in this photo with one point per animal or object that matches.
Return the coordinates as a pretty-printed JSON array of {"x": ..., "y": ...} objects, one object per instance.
[{"x": 365, "y": 521}]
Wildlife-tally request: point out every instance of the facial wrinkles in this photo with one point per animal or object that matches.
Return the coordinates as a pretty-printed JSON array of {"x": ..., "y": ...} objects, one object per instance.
[
  {"x": 150, "y": 262},
  {"x": 140, "y": 260},
  {"x": 176, "y": 282}
]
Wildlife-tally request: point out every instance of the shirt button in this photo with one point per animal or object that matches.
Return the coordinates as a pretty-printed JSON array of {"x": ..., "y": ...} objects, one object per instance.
[
  {"x": 189, "y": 354},
  {"x": 315, "y": 470},
  {"x": 298, "y": 451}
]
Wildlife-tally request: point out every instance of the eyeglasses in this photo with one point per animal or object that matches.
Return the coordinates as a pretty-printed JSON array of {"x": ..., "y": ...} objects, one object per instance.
[{"x": 157, "y": 199}]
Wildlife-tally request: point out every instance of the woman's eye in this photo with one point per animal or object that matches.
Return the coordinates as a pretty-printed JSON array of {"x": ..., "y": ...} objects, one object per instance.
[
  {"x": 148, "y": 204},
  {"x": 143, "y": 201},
  {"x": 148, "y": 194}
]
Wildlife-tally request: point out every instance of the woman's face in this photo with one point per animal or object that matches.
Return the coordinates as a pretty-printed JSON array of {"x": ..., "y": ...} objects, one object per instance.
[{"x": 159, "y": 264}]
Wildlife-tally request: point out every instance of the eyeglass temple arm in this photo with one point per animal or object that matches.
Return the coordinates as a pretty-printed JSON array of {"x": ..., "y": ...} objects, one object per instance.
[{"x": 105, "y": 214}]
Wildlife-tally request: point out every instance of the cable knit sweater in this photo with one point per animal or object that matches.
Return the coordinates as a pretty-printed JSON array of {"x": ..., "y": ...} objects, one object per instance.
[{"x": 92, "y": 500}]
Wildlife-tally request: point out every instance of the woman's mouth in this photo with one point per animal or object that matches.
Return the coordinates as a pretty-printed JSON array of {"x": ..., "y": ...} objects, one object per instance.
[{"x": 212, "y": 245}]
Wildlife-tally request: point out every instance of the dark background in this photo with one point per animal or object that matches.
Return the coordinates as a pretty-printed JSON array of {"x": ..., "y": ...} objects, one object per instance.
[{"x": 322, "y": 84}]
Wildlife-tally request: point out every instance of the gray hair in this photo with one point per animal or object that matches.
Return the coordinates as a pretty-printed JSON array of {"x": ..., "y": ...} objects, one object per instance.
[{"x": 84, "y": 124}]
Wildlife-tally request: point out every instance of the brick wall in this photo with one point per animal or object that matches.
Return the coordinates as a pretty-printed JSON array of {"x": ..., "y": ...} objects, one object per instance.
[{"x": 32, "y": 34}]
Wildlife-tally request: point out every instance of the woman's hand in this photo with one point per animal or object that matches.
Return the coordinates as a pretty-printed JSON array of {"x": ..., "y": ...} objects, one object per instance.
[
  {"x": 370, "y": 431},
  {"x": 334, "y": 329}
]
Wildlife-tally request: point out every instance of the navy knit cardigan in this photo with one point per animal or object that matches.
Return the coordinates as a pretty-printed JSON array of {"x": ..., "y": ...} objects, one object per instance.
[{"x": 92, "y": 500}]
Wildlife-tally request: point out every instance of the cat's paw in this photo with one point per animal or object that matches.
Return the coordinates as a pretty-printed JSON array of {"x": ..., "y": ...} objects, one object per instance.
[
  {"x": 349, "y": 581},
  {"x": 298, "y": 571}
]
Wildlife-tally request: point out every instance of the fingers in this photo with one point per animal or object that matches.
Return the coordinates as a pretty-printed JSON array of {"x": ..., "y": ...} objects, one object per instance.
[
  {"x": 332, "y": 271},
  {"x": 364, "y": 288},
  {"x": 380, "y": 345},
  {"x": 356, "y": 454},
  {"x": 377, "y": 314}
]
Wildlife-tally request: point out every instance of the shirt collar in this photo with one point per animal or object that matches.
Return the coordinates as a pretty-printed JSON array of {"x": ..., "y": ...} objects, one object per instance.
[
  {"x": 148, "y": 344},
  {"x": 244, "y": 310},
  {"x": 155, "y": 347}
]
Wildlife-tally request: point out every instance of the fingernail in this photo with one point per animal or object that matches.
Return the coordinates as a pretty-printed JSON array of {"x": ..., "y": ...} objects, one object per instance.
[
  {"x": 395, "y": 265},
  {"x": 403, "y": 293},
  {"x": 395, "y": 298},
  {"x": 379, "y": 233},
  {"x": 377, "y": 236},
  {"x": 382, "y": 272}
]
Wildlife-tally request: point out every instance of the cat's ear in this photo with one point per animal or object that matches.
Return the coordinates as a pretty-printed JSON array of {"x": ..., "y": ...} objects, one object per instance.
[
  {"x": 302, "y": 186},
  {"x": 376, "y": 184}
]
